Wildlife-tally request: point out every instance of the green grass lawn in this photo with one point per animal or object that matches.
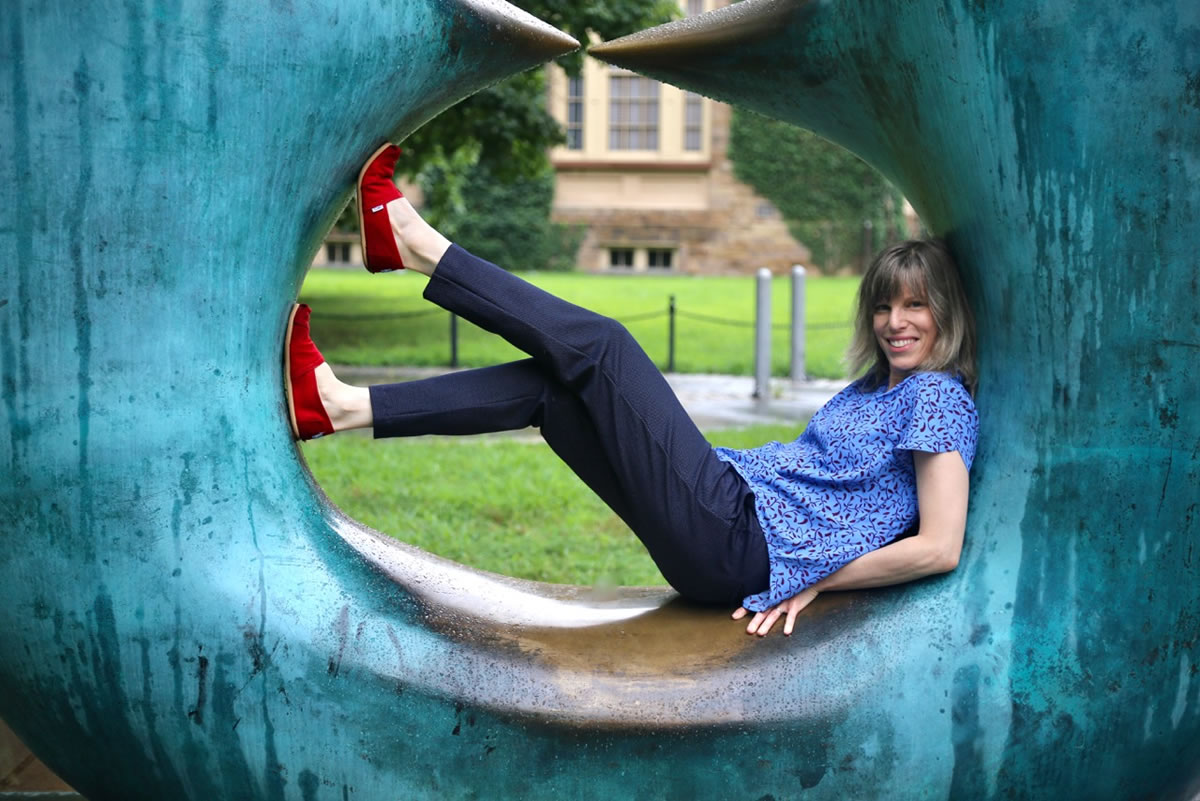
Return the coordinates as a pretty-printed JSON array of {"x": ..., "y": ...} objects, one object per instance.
[
  {"x": 355, "y": 319},
  {"x": 505, "y": 504}
]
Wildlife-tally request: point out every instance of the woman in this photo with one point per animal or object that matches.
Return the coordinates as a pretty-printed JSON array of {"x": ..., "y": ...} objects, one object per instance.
[{"x": 771, "y": 527}]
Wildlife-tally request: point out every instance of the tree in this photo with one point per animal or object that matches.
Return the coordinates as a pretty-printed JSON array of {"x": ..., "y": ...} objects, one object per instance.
[
  {"x": 506, "y": 222},
  {"x": 508, "y": 121},
  {"x": 833, "y": 201}
]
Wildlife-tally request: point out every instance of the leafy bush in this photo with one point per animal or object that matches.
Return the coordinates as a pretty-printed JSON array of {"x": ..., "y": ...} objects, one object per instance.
[
  {"x": 506, "y": 222},
  {"x": 834, "y": 202}
]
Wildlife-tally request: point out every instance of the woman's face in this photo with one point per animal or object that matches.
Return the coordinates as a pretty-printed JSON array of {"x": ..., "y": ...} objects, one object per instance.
[{"x": 905, "y": 330}]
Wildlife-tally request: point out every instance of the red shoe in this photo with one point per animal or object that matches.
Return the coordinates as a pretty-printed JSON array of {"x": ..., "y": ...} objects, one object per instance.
[
  {"x": 375, "y": 191},
  {"x": 300, "y": 359}
]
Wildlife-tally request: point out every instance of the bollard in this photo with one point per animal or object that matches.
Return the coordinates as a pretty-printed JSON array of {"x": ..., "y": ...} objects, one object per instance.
[
  {"x": 762, "y": 338},
  {"x": 797, "y": 368},
  {"x": 868, "y": 244},
  {"x": 671, "y": 334}
]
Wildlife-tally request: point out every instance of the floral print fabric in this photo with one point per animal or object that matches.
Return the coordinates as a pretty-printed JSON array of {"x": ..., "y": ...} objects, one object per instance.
[{"x": 847, "y": 485}]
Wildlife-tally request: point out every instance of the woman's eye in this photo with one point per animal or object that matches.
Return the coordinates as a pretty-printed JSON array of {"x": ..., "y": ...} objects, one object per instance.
[{"x": 882, "y": 309}]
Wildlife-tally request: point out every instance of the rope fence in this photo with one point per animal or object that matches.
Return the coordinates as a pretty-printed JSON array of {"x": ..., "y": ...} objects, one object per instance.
[
  {"x": 378, "y": 317},
  {"x": 673, "y": 313},
  {"x": 708, "y": 318}
]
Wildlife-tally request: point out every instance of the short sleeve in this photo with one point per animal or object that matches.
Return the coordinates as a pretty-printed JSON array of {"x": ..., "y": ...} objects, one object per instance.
[{"x": 943, "y": 419}]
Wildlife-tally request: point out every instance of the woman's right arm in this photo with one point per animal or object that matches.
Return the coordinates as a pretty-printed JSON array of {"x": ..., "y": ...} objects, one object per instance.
[
  {"x": 942, "y": 488},
  {"x": 942, "y": 448}
]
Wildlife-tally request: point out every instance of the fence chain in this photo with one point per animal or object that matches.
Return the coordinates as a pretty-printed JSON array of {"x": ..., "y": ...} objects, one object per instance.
[
  {"x": 708, "y": 318},
  {"x": 636, "y": 318},
  {"x": 672, "y": 311},
  {"x": 378, "y": 316}
]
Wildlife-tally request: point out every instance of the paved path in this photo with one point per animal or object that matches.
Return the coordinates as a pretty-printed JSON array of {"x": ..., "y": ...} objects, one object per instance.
[
  {"x": 713, "y": 401},
  {"x": 21, "y": 774}
]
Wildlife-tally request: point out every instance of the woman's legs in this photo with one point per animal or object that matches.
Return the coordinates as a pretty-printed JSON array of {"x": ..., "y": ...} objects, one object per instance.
[
  {"x": 505, "y": 397},
  {"x": 600, "y": 403},
  {"x": 710, "y": 550},
  {"x": 347, "y": 406},
  {"x": 604, "y": 408}
]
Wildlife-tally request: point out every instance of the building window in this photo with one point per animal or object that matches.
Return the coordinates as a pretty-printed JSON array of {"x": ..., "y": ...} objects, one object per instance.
[
  {"x": 695, "y": 7},
  {"x": 660, "y": 258},
  {"x": 693, "y": 122},
  {"x": 337, "y": 252},
  {"x": 620, "y": 257},
  {"x": 633, "y": 113},
  {"x": 575, "y": 113}
]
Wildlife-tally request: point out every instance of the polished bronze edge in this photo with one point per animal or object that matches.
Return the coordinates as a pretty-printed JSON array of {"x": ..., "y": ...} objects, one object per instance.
[
  {"x": 535, "y": 37},
  {"x": 725, "y": 28}
]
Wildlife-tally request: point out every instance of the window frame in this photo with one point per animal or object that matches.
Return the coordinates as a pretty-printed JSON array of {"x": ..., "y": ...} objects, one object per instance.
[
  {"x": 612, "y": 254},
  {"x": 634, "y": 112},
  {"x": 575, "y": 103},
  {"x": 670, "y": 258}
]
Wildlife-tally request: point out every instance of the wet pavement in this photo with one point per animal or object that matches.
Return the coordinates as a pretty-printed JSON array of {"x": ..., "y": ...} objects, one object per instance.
[{"x": 713, "y": 401}]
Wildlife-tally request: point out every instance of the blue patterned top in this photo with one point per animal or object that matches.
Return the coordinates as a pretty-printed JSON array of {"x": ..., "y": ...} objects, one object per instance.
[{"x": 847, "y": 485}]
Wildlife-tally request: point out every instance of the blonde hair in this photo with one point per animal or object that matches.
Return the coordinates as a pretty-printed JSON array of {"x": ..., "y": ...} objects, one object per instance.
[{"x": 925, "y": 268}]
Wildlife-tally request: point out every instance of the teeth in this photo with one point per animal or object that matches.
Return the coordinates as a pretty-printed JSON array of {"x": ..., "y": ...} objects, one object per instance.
[{"x": 900, "y": 343}]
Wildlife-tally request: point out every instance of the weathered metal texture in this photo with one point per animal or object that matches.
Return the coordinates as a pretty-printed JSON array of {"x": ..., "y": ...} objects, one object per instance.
[
  {"x": 185, "y": 616},
  {"x": 1057, "y": 146}
]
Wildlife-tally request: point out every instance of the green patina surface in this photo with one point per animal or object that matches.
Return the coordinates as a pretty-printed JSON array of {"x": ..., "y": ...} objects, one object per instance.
[{"x": 184, "y": 616}]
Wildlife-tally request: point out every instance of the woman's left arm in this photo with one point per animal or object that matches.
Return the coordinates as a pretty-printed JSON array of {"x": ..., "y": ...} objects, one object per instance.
[{"x": 942, "y": 486}]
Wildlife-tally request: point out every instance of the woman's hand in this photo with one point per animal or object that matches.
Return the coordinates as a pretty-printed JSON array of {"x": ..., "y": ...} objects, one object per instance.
[{"x": 763, "y": 622}]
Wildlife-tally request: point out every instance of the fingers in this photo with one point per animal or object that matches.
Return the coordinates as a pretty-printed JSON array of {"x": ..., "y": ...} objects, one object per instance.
[
  {"x": 793, "y": 610},
  {"x": 764, "y": 621},
  {"x": 796, "y": 605}
]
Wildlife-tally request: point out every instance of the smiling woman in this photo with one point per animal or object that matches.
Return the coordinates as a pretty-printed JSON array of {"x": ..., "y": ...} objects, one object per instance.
[
  {"x": 897, "y": 442},
  {"x": 769, "y": 527},
  {"x": 905, "y": 329},
  {"x": 913, "y": 315}
]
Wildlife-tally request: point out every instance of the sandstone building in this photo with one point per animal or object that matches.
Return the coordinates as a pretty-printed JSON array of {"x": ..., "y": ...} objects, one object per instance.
[{"x": 645, "y": 170}]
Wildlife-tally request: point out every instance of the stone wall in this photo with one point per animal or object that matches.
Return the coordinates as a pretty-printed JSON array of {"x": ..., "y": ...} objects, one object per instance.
[{"x": 729, "y": 229}]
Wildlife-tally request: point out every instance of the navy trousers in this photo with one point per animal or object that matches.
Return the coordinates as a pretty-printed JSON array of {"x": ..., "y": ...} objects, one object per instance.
[{"x": 606, "y": 410}]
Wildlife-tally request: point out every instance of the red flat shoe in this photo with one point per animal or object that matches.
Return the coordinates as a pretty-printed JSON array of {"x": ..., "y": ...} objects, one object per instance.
[
  {"x": 375, "y": 191},
  {"x": 300, "y": 358}
]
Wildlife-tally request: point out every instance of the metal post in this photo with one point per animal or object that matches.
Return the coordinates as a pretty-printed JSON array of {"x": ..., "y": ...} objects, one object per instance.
[
  {"x": 453, "y": 339},
  {"x": 868, "y": 244},
  {"x": 798, "y": 322},
  {"x": 671, "y": 334},
  {"x": 762, "y": 338}
]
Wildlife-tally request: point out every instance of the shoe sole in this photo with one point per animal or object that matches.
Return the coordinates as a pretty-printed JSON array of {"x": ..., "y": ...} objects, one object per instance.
[
  {"x": 287, "y": 371},
  {"x": 362, "y": 230}
]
